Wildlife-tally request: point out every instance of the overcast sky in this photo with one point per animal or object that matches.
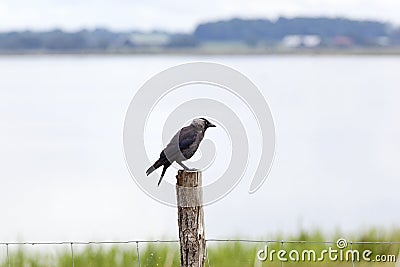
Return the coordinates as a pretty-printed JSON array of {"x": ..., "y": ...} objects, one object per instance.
[{"x": 176, "y": 15}]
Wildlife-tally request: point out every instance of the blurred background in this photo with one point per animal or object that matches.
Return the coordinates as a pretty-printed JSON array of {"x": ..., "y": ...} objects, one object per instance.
[{"x": 68, "y": 70}]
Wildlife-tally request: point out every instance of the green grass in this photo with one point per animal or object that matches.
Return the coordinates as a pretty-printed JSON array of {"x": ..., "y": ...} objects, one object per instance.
[{"x": 221, "y": 254}]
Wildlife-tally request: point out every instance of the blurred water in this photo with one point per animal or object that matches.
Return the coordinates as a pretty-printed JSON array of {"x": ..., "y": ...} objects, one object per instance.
[{"x": 63, "y": 174}]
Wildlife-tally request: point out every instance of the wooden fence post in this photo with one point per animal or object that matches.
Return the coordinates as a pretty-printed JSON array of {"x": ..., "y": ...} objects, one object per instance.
[{"x": 191, "y": 218}]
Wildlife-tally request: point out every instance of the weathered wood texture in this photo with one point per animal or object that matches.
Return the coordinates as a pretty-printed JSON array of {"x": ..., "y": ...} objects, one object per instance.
[{"x": 190, "y": 218}]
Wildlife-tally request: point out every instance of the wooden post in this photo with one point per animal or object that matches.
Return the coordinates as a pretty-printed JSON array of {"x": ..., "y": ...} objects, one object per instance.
[{"x": 190, "y": 218}]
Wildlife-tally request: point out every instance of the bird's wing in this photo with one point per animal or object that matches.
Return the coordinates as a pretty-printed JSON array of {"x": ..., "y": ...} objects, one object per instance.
[
  {"x": 187, "y": 136},
  {"x": 181, "y": 141}
]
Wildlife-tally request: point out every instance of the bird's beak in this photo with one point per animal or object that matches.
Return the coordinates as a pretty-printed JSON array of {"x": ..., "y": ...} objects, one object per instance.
[{"x": 211, "y": 125}]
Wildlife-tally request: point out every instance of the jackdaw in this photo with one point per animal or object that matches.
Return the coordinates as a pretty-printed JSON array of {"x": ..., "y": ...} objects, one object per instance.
[{"x": 182, "y": 146}]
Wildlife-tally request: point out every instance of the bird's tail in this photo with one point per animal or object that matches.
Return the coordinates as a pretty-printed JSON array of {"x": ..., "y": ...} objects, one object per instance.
[
  {"x": 155, "y": 166},
  {"x": 159, "y": 181},
  {"x": 163, "y": 172}
]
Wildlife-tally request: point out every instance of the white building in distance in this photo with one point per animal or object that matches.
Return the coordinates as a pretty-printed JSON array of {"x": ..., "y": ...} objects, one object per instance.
[{"x": 294, "y": 41}]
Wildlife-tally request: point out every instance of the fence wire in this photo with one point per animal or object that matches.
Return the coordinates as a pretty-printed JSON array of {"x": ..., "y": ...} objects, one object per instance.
[{"x": 137, "y": 243}]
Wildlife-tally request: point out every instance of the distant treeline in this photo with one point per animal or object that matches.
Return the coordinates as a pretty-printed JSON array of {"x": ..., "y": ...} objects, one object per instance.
[
  {"x": 326, "y": 32},
  {"x": 362, "y": 32}
]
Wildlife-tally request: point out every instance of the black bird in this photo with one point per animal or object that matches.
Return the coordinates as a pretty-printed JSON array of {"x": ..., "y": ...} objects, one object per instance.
[{"x": 182, "y": 146}]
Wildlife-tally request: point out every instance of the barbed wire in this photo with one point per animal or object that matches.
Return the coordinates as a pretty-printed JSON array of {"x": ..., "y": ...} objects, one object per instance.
[{"x": 207, "y": 240}]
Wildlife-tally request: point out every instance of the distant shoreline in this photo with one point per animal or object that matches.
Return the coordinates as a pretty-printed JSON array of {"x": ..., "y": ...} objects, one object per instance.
[{"x": 215, "y": 52}]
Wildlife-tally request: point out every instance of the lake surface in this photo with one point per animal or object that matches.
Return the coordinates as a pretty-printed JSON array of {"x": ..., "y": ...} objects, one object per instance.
[{"x": 63, "y": 174}]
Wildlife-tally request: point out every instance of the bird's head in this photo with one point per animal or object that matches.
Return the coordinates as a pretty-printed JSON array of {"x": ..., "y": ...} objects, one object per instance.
[{"x": 202, "y": 123}]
